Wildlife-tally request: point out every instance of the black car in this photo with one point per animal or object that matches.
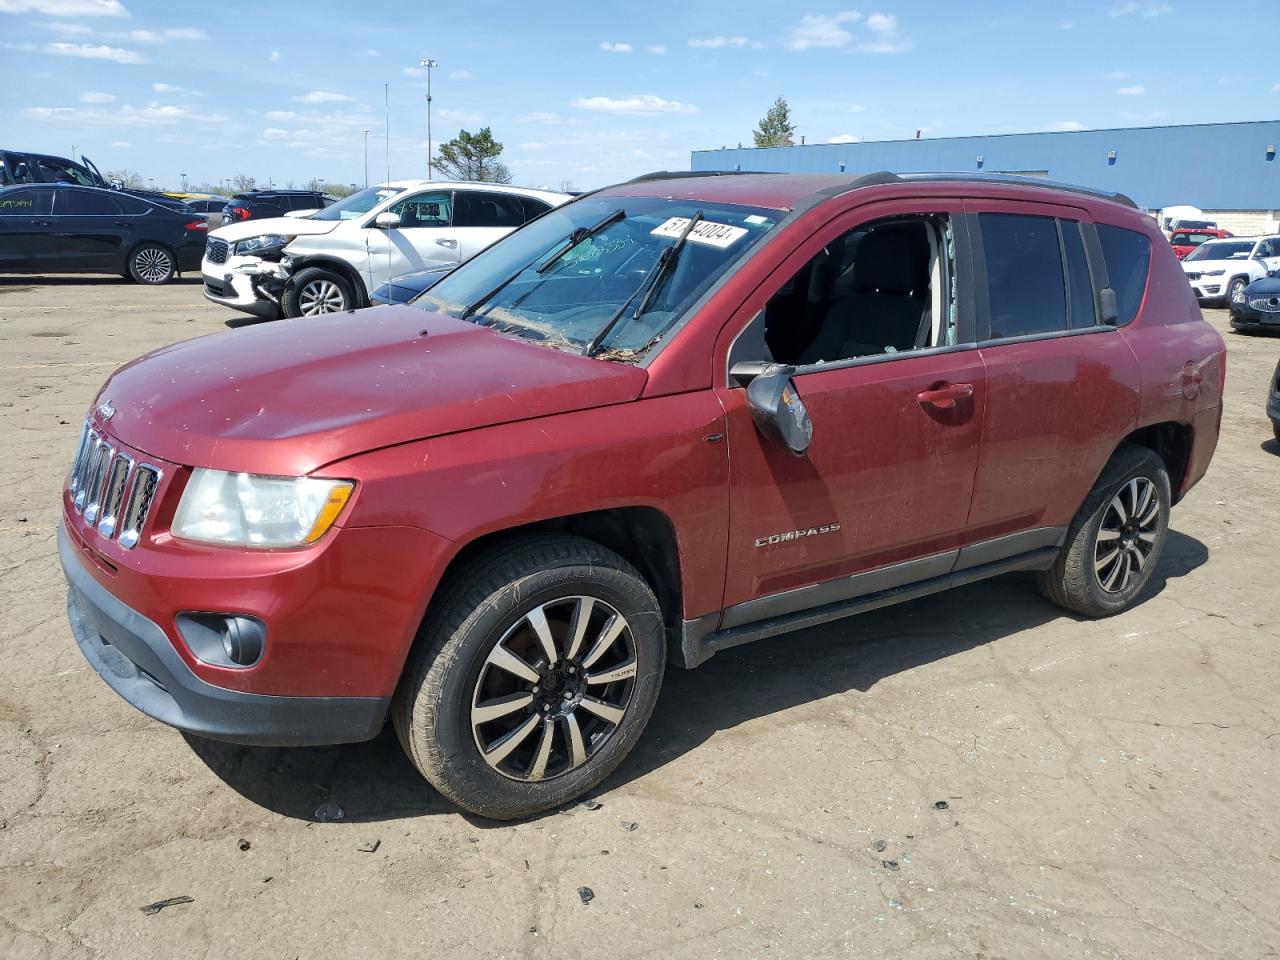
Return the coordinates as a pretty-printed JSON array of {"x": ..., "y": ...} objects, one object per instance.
[
  {"x": 57, "y": 228},
  {"x": 1273, "y": 402},
  {"x": 20, "y": 166},
  {"x": 259, "y": 204},
  {"x": 1257, "y": 306},
  {"x": 406, "y": 287}
]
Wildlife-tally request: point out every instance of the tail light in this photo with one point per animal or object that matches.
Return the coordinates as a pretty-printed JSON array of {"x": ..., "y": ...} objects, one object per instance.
[
  {"x": 197, "y": 225},
  {"x": 239, "y": 213}
]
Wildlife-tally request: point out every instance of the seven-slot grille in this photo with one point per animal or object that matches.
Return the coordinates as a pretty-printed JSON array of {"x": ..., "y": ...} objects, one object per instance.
[
  {"x": 216, "y": 250},
  {"x": 1265, "y": 303},
  {"x": 112, "y": 490}
]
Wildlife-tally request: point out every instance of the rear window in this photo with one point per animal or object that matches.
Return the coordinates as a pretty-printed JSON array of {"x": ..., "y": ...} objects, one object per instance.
[
  {"x": 1127, "y": 254},
  {"x": 1025, "y": 288}
]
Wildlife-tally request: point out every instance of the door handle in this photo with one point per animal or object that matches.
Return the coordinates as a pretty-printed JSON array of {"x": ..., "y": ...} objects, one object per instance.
[
  {"x": 944, "y": 396},
  {"x": 40, "y": 223},
  {"x": 123, "y": 223},
  {"x": 446, "y": 241}
]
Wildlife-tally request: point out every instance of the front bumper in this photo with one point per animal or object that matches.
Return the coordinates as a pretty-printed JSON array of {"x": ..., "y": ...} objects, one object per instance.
[
  {"x": 1209, "y": 288},
  {"x": 1244, "y": 317},
  {"x": 242, "y": 283},
  {"x": 136, "y": 659}
]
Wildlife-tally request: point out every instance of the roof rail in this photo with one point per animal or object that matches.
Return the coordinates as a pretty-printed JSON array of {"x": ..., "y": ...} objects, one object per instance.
[
  {"x": 687, "y": 174},
  {"x": 1012, "y": 179}
]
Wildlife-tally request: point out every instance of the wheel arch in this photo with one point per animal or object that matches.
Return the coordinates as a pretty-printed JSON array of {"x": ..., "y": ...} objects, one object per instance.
[
  {"x": 339, "y": 266},
  {"x": 1171, "y": 441}
]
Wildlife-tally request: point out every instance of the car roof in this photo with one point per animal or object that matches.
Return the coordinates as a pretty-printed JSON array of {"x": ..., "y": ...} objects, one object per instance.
[
  {"x": 475, "y": 185},
  {"x": 787, "y": 191}
]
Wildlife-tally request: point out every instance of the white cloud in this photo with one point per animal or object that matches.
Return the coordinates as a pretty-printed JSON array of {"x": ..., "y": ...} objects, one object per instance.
[
  {"x": 1066, "y": 125},
  {"x": 1146, "y": 8},
  {"x": 1117, "y": 75},
  {"x": 641, "y": 104},
  {"x": 281, "y": 115},
  {"x": 69, "y": 29},
  {"x": 459, "y": 116},
  {"x": 275, "y": 133},
  {"x": 459, "y": 74},
  {"x": 882, "y": 23},
  {"x": 885, "y": 29},
  {"x": 174, "y": 88},
  {"x": 185, "y": 33},
  {"x": 90, "y": 51},
  {"x": 372, "y": 53},
  {"x": 324, "y": 96},
  {"x": 657, "y": 48},
  {"x": 66, "y": 8},
  {"x": 540, "y": 116},
  {"x": 533, "y": 145},
  {"x": 1136, "y": 90},
  {"x": 843, "y": 138},
  {"x": 817, "y": 30},
  {"x": 153, "y": 114},
  {"x": 275, "y": 55},
  {"x": 608, "y": 47},
  {"x": 121, "y": 143},
  {"x": 1066, "y": 24},
  {"x": 96, "y": 96},
  {"x": 414, "y": 72},
  {"x": 715, "y": 43}
]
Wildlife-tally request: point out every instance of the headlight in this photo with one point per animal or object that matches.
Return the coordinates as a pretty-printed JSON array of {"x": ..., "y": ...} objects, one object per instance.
[
  {"x": 1239, "y": 296},
  {"x": 1213, "y": 273},
  {"x": 255, "y": 511},
  {"x": 267, "y": 243}
]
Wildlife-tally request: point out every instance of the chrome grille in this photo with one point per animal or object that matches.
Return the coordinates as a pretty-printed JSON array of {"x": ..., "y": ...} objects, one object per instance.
[
  {"x": 1265, "y": 304},
  {"x": 111, "y": 489},
  {"x": 215, "y": 251}
]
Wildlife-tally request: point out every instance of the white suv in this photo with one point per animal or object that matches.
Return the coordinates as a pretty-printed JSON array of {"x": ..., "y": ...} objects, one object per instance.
[
  {"x": 332, "y": 259},
  {"x": 1220, "y": 269}
]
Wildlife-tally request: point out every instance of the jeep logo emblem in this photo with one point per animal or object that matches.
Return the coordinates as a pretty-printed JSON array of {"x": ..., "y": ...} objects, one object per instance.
[{"x": 106, "y": 410}]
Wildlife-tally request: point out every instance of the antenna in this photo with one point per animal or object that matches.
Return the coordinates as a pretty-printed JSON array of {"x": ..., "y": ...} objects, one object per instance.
[{"x": 386, "y": 93}]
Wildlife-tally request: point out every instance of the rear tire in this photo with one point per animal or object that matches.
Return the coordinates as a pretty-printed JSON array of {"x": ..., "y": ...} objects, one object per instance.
[
  {"x": 152, "y": 264},
  {"x": 499, "y": 708},
  {"x": 1116, "y": 538},
  {"x": 316, "y": 291}
]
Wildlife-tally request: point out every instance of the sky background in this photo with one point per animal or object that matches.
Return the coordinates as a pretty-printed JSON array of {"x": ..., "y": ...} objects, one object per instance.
[{"x": 592, "y": 93}]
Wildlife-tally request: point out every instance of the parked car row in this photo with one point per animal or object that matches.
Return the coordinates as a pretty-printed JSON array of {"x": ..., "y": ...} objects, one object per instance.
[
  {"x": 1220, "y": 270},
  {"x": 333, "y": 259}
]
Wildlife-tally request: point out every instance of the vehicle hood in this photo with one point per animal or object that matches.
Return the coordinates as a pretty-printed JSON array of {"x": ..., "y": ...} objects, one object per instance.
[
  {"x": 288, "y": 397},
  {"x": 1202, "y": 266},
  {"x": 288, "y": 226},
  {"x": 1267, "y": 286}
]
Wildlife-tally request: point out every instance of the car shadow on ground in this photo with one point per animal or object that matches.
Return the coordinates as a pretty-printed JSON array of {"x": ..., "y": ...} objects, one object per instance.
[
  {"x": 25, "y": 282},
  {"x": 1272, "y": 447},
  {"x": 375, "y": 781}
]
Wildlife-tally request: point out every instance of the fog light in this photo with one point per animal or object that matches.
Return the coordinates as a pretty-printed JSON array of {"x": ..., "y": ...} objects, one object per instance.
[{"x": 224, "y": 639}]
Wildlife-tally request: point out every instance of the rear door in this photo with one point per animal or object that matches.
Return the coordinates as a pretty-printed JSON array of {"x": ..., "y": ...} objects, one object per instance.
[
  {"x": 26, "y": 225},
  {"x": 1063, "y": 386},
  {"x": 1268, "y": 253},
  {"x": 481, "y": 218},
  {"x": 882, "y": 496},
  {"x": 90, "y": 229}
]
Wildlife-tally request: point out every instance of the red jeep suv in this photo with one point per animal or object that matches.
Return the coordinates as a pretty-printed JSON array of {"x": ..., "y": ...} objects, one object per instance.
[{"x": 670, "y": 417}]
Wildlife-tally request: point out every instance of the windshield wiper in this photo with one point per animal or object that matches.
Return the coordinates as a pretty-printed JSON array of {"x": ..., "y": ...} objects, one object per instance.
[
  {"x": 575, "y": 238},
  {"x": 648, "y": 287}
]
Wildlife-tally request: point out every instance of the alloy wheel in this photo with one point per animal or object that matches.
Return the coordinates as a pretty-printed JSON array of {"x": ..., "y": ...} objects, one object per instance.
[
  {"x": 153, "y": 265},
  {"x": 321, "y": 296},
  {"x": 554, "y": 689},
  {"x": 1127, "y": 535}
]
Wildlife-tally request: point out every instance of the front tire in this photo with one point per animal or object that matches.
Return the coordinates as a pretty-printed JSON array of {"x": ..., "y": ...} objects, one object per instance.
[
  {"x": 535, "y": 677},
  {"x": 316, "y": 291},
  {"x": 1116, "y": 538},
  {"x": 152, "y": 265},
  {"x": 1234, "y": 287}
]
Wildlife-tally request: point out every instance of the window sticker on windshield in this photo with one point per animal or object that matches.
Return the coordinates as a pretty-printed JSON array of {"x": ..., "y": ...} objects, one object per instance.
[{"x": 720, "y": 235}]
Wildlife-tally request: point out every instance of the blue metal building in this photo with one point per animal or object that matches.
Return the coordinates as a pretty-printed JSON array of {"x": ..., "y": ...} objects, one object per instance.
[{"x": 1214, "y": 166}]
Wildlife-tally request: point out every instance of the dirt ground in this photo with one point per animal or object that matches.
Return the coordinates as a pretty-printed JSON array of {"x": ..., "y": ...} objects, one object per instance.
[{"x": 1111, "y": 787}]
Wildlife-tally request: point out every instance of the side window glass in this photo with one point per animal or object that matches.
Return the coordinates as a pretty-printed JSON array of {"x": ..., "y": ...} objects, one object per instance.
[
  {"x": 1128, "y": 257},
  {"x": 533, "y": 208},
  {"x": 478, "y": 209},
  {"x": 87, "y": 203},
  {"x": 1083, "y": 308},
  {"x": 424, "y": 210},
  {"x": 885, "y": 287},
  {"x": 1024, "y": 274},
  {"x": 131, "y": 205},
  {"x": 26, "y": 203}
]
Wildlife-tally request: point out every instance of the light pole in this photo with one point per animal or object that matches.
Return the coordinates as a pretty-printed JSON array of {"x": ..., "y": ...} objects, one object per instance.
[
  {"x": 429, "y": 64},
  {"x": 184, "y": 182},
  {"x": 366, "y": 157}
]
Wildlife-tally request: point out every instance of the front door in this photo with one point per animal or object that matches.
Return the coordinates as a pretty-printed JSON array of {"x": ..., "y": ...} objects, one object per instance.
[
  {"x": 90, "y": 229},
  {"x": 26, "y": 228},
  {"x": 422, "y": 239},
  {"x": 871, "y": 313}
]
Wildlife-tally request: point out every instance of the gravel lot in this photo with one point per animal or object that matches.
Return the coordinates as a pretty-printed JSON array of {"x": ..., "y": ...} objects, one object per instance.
[{"x": 1110, "y": 786}]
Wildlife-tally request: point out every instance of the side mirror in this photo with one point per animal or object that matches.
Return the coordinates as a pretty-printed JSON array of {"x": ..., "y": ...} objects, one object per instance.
[
  {"x": 776, "y": 408},
  {"x": 1107, "y": 300},
  {"x": 387, "y": 220}
]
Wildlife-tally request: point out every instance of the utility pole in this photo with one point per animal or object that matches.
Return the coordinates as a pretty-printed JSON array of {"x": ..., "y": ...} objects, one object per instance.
[
  {"x": 430, "y": 65},
  {"x": 366, "y": 157}
]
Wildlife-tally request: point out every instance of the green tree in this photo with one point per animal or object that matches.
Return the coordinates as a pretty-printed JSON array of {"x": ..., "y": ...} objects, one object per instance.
[
  {"x": 776, "y": 127},
  {"x": 472, "y": 156}
]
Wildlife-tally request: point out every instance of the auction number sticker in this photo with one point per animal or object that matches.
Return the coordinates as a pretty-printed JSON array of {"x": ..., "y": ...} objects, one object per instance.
[{"x": 721, "y": 235}]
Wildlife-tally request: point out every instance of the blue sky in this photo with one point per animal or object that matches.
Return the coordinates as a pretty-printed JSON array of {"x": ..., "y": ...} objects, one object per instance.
[{"x": 591, "y": 93}]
